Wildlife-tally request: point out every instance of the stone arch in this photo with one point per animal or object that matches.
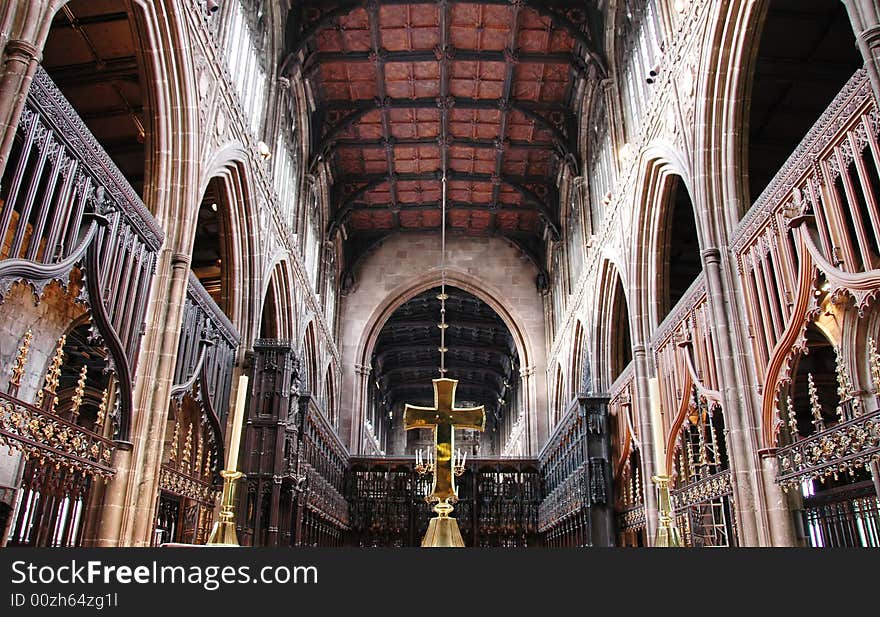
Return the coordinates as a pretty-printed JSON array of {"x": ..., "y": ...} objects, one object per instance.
[
  {"x": 666, "y": 194},
  {"x": 723, "y": 96},
  {"x": 278, "y": 312},
  {"x": 525, "y": 346},
  {"x": 558, "y": 397},
  {"x": 612, "y": 342},
  {"x": 228, "y": 182},
  {"x": 311, "y": 358},
  {"x": 579, "y": 380}
]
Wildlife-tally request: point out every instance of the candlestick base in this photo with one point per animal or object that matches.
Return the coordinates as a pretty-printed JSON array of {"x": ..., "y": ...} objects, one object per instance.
[
  {"x": 443, "y": 531},
  {"x": 223, "y": 532},
  {"x": 667, "y": 535}
]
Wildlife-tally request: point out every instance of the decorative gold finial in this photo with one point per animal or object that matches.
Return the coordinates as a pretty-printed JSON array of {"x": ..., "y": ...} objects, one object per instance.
[
  {"x": 792, "y": 419},
  {"x": 874, "y": 360},
  {"x": 20, "y": 362},
  {"x": 199, "y": 451},
  {"x": 53, "y": 375},
  {"x": 79, "y": 393},
  {"x": 716, "y": 454},
  {"x": 185, "y": 456},
  {"x": 102, "y": 410},
  {"x": 845, "y": 388},
  {"x": 815, "y": 404},
  {"x": 638, "y": 498},
  {"x": 175, "y": 437}
]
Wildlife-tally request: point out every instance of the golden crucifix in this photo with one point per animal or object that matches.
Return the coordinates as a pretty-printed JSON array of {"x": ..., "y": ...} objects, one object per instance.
[{"x": 444, "y": 417}]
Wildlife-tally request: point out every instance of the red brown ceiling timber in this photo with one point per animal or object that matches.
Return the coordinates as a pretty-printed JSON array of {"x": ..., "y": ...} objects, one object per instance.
[{"x": 481, "y": 90}]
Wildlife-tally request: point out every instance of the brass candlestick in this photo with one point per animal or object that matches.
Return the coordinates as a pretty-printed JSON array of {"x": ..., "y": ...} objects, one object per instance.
[
  {"x": 667, "y": 532},
  {"x": 223, "y": 533}
]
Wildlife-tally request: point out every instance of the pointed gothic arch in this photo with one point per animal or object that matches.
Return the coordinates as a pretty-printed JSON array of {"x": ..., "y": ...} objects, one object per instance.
[
  {"x": 225, "y": 239},
  {"x": 613, "y": 340},
  {"x": 310, "y": 352}
]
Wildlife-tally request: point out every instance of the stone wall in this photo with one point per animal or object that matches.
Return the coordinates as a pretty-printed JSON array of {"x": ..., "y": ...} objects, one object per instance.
[{"x": 404, "y": 265}]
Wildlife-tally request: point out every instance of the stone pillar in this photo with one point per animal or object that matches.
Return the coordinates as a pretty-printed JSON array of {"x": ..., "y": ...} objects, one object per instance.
[
  {"x": 742, "y": 433},
  {"x": 643, "y": 406},
  {"x": 148, "y": 434},
  {"x": 361, "y": 401},
  {"x": 782, "y": 531},
  {"x": 397, "y": 438},
  {"x": 531, "y": 446},
  {"x": 865, "y": 18},
  {"x": 114, "y": 504},
  {"x": 24, "y": 26},
  {"x": 20, "y": 59}
]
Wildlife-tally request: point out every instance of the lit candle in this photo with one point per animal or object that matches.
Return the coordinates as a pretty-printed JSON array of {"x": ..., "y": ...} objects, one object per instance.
[
  {"x": 237, "y": 422},
  {"x": 657, "y": 428}
]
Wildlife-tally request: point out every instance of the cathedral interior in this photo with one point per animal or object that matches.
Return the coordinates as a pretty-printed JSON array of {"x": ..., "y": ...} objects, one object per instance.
[{"x": 648, "y": 230}]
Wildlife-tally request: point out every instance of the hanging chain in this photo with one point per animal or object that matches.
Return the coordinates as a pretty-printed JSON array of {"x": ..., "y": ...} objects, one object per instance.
[{"x": 443, "y": 297}]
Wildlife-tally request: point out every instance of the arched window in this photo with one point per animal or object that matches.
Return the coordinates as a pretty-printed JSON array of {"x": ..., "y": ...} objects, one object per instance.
[
  {"x": 330, "y": 399},
  {"x": 285, "y": 161},
  {"x": 574, "y": 234},
  {"x": 245, "y": 41},
  {"x": 637, "y": 55}
]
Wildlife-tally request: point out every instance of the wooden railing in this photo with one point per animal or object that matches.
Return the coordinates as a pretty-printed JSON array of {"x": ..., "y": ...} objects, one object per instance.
[
  {"x": 52, "y": 440},
  {"x": 690, "y": 320},
  {"x": 324, "y": 460},
  {"x": 577, "y": 506},
  {"x": 498, "y": 502},
  {"x": 846, "y": 447},
  {"x": 832, "y": 178},
  {"x": 206, "y": 350}
]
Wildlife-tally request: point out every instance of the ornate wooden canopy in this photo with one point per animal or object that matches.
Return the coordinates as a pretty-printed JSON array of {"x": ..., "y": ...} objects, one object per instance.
[
  {"x": 482, "y": 354},
  {"x": 482, "y": 90}
]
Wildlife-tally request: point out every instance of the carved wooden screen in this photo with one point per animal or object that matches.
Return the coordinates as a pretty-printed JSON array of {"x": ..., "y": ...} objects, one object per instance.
[
  {"x": 498, "y": 505},
  {"x": 62, "y": 439},
  {"x": 807, "y": 255},
  {"x": 189, "y": 480},
  {"x": 76, "y": 235}
]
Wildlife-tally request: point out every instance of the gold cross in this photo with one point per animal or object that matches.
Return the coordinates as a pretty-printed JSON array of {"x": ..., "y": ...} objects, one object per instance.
[{"x": 443, "y": 417}]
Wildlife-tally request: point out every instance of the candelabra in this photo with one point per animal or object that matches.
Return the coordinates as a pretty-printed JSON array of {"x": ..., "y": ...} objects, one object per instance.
[
  {"x": 459, "y": 458},
  {"x": 422, "y": 467},
  {"x": 426, "y": 467}
]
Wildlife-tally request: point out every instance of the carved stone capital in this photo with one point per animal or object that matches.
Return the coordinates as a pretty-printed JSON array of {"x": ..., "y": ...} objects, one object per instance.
[{"x": 18, "y": 49}]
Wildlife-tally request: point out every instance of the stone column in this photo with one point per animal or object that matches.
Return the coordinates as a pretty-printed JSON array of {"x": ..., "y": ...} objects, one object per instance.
[
  {"x": 24, "y": 26},
  {"x": 782, "y": 532},
  {"x": 741, "y": 431},
  {"x": 530, "y": 434},
  {"x": 20, "y": 59},
  {"x": 361, "y": 402},
  {"x": 109, "y": 525},
  {"x": 643, "y": 406},
  {"x": 148, "y": 434},
  {"x": 865, "y": 18}
]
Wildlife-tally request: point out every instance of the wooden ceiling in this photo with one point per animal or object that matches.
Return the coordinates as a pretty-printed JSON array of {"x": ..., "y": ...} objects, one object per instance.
[
  {"x": 482, "y": 354},
  {"x": 90, "y": 55},
  {"x": 482, "y": 91}
]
